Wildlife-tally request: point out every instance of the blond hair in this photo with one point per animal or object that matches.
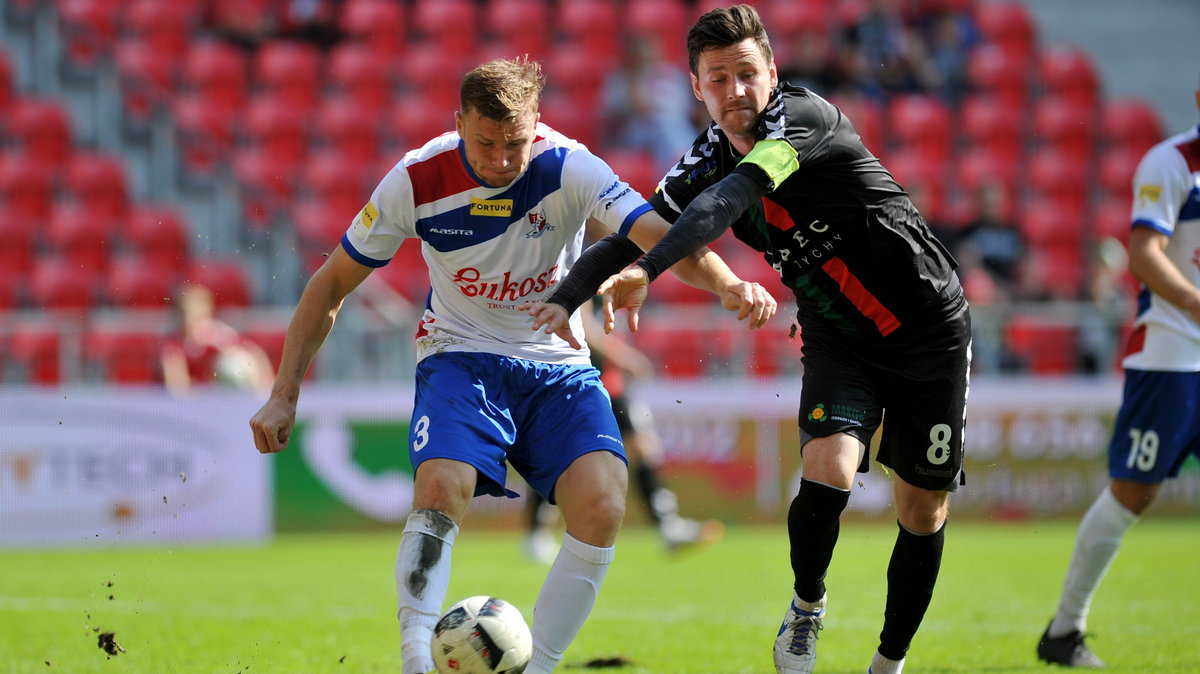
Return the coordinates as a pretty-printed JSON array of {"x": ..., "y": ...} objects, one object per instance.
[{"x": 503, "y": 89}]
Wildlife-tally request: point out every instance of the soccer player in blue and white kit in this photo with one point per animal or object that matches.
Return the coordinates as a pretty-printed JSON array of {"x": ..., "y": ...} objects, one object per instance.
[
  {"x": 1157, "y": 426},
  {"x": 499, "y": 208}
]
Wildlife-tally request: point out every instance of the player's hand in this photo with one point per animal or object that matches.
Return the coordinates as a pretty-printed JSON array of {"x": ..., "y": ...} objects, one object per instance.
[
  {"x": 750, "y": 301},
  {"x": 272, "y": 425},
  {"x": 554, "y": 319},
  {"x": 628, "y": 291}
]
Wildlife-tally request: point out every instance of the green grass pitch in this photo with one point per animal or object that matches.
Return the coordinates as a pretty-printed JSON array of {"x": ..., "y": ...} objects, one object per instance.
[{"x": 326, "y": 603}]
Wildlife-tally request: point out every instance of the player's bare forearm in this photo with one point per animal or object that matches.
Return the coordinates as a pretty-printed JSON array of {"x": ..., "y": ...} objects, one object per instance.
[{"x": 706, "y": 270}]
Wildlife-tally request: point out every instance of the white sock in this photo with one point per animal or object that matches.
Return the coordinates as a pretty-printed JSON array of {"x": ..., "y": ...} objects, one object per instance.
[
  {"x": 422, "y": 578},
  {"x": 565, "y": 600},
  {"x": 882, "y": 665},
  {"x": 1096, "y": 545}
]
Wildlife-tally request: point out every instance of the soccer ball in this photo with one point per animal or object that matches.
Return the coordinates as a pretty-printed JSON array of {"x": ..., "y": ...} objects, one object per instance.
[{"x": 481, "y": 635}]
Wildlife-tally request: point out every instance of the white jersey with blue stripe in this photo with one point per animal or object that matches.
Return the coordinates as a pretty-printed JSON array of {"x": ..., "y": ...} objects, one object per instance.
[
  {"x": 1166, "y": 192},
  {"x": 489, "y": 249}
]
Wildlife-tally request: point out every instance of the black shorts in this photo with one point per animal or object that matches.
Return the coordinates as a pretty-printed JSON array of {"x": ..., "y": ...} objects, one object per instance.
[{"x": 920, "y": 379}]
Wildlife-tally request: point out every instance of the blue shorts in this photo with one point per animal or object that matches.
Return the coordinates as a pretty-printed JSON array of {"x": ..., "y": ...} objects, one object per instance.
[
  {"x": 488, "y": 410},
  {"x": 1157, "y": 426}
]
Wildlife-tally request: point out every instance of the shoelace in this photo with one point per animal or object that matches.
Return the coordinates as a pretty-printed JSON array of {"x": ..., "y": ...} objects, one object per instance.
[{"x": 800, "y": 630}]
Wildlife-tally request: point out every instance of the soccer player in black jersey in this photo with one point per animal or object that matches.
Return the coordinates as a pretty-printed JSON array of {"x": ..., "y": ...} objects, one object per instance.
[{"x": 885, "y": 325}]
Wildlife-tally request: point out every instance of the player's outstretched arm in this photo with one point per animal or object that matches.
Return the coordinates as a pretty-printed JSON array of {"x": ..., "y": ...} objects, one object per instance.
[{"x": 313, "y": 319}]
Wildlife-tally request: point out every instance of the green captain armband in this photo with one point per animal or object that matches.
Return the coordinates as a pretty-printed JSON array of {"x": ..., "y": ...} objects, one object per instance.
[{"x": 777, "y": 158}]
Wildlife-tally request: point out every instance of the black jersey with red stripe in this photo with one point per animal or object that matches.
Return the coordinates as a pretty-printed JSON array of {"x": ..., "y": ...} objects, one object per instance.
[{"x": 839, "y": 229}]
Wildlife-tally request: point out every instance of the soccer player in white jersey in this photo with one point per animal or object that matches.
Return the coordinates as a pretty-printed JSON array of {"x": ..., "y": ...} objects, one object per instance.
[
  {"x": 498, "y": 208},
  {"x": 1157, "y": 427}
]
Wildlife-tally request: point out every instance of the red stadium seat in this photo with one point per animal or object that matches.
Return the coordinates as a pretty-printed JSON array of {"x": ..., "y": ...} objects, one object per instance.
[
  {"x": 136, "y": 283},
  {"x": 1067, "y": 72},
  {"x": 88, "y": 29},
  {"x": 350, "y": 129},
  {"x": 433, "y": 75},
  {"x": 415, "y": 122},
  {"x": 41, "y": 128},
  {"x": 159, "y": 235},
  {"x": 380, "y": 25},
  {"x": 147, "y": 80},
  {"x": 360, "y": 74},
  {"x": 1116, "y": 171},
  {"x": 922, "y": 124},
  {"x": 60, "y": 285},
  {"x": 122, "y": 356},
  {"x": 996, "y": 73},
  {"x": 80, "y": 236},
  {"x": 217, "y": 72},
  {"x": 289, "y": 70},
  {"x": 867, "y": 117},
  {"x": 975, "y": 168},
  {"x": 267, "y": 186},
  {"x": 520, "y": 26},
  {"x": 1045, "y": 346},
  {"x": 1131, "y": 124},
  {"x": 1045, "y": 221},
  {"x": 277, "y": 129},
  {"x": 1009, "y": 25},
  {"x": 319, "y": 228},
  {"x": 635, "y": 167},
  {"x": 987, "y": 124},
  {"x": 562, "y": 115},
  {"x": 1112, "y": 217},
  {"x": 204, "y": 133},
  {"x": 340, "y": 181},
  {"x": 34, "y": 352},
  {"x": 8, "y": 89},
  {"x": 227, "y": 279},
  {"x": 12, "y": 295},
  {"x": 774, "y": 351},
  {"x": 18, "y": 232},
  {"x": 923, "y": 176},
  {"x": 451, "y": 25},
  {"x": 592, "y": 25},
  {"x": 164, "y": 28},
  {"x": 97, "y": 182},
  {"x": 664, "y": 21},
  {"x": 26, "y": 186},
  {"x": 684, "y": 352},
  {"x": 573, "y": 72},
  {"x": 1065, "y": 126},
  {"x": 1061, "y": 178}
]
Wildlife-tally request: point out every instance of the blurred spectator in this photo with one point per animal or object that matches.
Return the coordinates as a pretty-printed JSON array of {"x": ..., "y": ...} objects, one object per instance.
[
  {"x": 993, "y": 237},
  {"x": 315, "y": 21},
  {"x": 885, "y": 57},
  {"x": 648, "y": 105},
  {"x": 206, "y": 350},
  {"x": 808, "y": 60},
  {"x": 1109, "y": 305},
  {"x": 948, "y": 40}
]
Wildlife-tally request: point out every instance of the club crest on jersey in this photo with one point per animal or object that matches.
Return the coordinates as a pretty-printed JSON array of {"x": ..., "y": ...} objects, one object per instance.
[{"x": 538, "y": 225}]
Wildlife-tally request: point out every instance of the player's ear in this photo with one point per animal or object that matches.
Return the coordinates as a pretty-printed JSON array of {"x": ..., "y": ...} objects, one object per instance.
[
  {"x": 458, "y": 123},
  {"x": 696, "y": 87},
  {"x": 774, "y": 74}
]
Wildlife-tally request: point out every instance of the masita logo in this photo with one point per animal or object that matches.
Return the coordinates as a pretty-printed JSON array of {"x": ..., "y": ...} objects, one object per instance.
[{"x": 491, "y": 207}]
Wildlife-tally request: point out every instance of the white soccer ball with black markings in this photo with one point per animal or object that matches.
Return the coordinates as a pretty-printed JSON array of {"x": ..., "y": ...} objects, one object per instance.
[{"x": 481, "y": 635}]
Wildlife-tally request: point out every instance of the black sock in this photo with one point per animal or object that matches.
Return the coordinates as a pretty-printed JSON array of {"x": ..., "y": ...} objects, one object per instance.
[
  {"x": 534, "y": 510},
  {"x": 813, "y": 530},
  {"x": 658, "y": 501},
  {"x": 911, "y": 575}
]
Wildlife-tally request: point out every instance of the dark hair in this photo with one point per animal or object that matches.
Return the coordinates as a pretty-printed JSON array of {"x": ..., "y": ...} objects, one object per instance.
[
  {"x": 503, "y": 89},
  {"x": 723, "y": 27}
]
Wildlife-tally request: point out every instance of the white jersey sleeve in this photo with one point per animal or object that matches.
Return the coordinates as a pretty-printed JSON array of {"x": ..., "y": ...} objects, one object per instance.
[{"x": 1166, "y": 192}]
